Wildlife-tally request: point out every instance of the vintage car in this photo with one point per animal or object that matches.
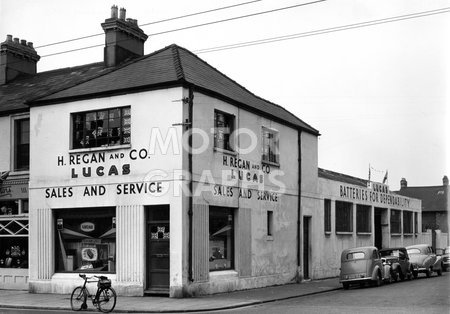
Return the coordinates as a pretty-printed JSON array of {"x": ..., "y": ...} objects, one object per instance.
[
  {"x": 424, "y": 260},
  {"x": 445, "y": 254},
  {"x": 398, "y": 259},
  {"x": 362, "y": 265}
]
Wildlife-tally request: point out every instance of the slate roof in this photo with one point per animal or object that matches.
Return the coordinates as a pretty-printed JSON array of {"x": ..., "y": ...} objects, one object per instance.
[
  {"x": 336, "y": 176},
  {"x": 434, "y": 198},
  {"x": 15, "y": 94},
  {"x": 172, "y": 66}
]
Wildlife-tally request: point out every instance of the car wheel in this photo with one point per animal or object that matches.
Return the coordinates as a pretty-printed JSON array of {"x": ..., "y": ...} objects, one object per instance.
[
  {"x": 401, "y": 275},
  {"x": 439, "y": 272},
  {"x": 411, "y": 274},
  {"x": 345, "y": 285},
  {"x": 415, "y": 274},
  {"x": 428, "y": 273},
  {"x": 394, "y": 275},
  {"x": 379, "y": 281}
]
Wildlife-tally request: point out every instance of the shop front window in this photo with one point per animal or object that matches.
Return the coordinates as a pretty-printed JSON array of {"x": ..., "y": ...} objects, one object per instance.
[
  {"x": 221, "y": 238},
  {"x": 14, "y": 225},
  {"x": 85, "y": 240}
]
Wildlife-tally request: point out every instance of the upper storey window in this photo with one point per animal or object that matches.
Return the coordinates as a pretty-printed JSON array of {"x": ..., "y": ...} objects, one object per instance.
[
  {"x": 21, "y": 144},
  {"x": 223, "y": 127},
  {"x": 102, "y": 128},
  {"x": 270, "y": 146}
]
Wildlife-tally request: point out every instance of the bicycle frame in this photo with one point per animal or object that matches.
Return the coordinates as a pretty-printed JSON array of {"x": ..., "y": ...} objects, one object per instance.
[{"x": 94, "y": 299}]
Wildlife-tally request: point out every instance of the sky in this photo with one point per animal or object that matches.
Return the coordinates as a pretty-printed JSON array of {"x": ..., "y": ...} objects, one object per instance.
[{"x": 377, "y": 92}]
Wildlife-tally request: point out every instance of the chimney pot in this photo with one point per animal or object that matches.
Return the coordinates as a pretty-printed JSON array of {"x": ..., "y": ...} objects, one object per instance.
[
  {"x": 16, "y": 40},
  {"x": 114, "y": 12},
  {"x": 9, "y": 38},
  {"x": 403, "y": 183},
  {"x": 445, "y": 180},
  {"x": 23, "y": 42},
  {"x": 30, "y": 44},
  {"x": 123, "y": 14}
]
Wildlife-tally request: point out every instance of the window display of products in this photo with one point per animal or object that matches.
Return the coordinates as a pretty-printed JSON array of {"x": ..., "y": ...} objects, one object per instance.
[
  {"x": 85, "y": 240},
  {"x": 14, "y": 252}
]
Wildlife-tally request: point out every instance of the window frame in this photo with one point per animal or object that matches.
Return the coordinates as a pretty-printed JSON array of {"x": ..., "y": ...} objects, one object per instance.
[
  {"x": 266, "y": 157},
  {"x": 15, "y": 120},
  {"x": 396, "y": 224},
  {"x": 408, "y": 222},
  {"x": 82, "y": 215},
  {"x": 230, "y": 121},
  {"x": 122, "y": 139},
  {"x": 363, "y": 219},
  {"x": 327, "y": 215},
  {"x": 347, "y": 227},
  {"x": 229, "y": 252},
  {"x": 270, "y": 223}
]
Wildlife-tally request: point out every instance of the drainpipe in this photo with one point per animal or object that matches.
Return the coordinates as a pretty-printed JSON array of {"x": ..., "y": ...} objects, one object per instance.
[
  {"x": 299, "y": 133},
  {"x": 191, "y": 199}
]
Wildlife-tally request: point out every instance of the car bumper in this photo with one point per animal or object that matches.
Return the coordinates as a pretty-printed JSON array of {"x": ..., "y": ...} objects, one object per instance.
[{"x": 355, "y": 280}]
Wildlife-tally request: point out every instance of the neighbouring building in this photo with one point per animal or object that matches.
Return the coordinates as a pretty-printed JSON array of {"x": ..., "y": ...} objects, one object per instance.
[
  {"x": 352, "y": 212},
  {"x": 435, "y": 203},
  {"x": 160, "y": 172},
  {"x": 19, "y": 83}
]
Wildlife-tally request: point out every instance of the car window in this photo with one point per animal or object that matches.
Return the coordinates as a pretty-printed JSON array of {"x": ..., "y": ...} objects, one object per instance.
[
  {"x": 413, "y": 251},
  {"x": 355, "y": 255},
  {"x": 447, "y": 251}
]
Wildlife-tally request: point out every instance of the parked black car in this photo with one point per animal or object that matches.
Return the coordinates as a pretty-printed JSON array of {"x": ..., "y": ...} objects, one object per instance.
[{"x": 398, "y": 258}]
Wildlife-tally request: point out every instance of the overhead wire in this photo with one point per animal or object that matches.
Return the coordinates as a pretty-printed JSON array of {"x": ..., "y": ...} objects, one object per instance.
[
  {"x": 155, "y": 22},
  {"x": 324, "y": 31},
  {"x": 298, "y": 35},
  {"x": 197, "y": 25}
]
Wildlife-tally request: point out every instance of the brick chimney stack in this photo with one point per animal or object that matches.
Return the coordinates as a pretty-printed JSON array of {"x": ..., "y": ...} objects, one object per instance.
[
  {"x": 403, "y": 183},
  {"x": 16, "y": 58},
  {"x": 123, "y": 38}
]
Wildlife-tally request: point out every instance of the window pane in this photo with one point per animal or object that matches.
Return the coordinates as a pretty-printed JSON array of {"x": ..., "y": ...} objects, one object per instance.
[
  {"x": 14, "y": 252},
  {"x": 363, "y": 218},
  {"x": 22, "y": 144},
  {"x": 85, "y": 240},
  {"x": 327, "y": 215},
  {"x": 395, "y": 221},
  {"x": 344, "y": 217},
  {"x": 270, "y": 145},
  {"x": 221, "y": 238},
  {"x": 102, "y": 128},
  {"x": 223, "y": 124}
]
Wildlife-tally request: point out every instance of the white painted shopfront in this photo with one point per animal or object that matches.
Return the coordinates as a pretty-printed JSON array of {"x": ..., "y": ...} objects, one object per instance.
[{"x": 125, "y": 209}]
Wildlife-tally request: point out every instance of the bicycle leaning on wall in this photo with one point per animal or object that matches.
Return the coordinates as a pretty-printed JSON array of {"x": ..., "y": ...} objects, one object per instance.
[{"x": 104, "y": 299}]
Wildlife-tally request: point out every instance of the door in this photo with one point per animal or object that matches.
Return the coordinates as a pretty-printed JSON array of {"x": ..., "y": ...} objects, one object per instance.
[
  {"x": 378, "y": 229},
  {"x": 306, "y": 246},
  {"x": 158, "y": 249}
]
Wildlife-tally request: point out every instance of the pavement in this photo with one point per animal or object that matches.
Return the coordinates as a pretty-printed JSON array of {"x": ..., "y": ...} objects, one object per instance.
[{"x": 152, "y": 304}]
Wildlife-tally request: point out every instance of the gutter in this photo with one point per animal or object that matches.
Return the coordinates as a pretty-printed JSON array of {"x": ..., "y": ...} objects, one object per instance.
[
  {"x": 191, "y": 199},
  {"x": 299, "y": 211}
]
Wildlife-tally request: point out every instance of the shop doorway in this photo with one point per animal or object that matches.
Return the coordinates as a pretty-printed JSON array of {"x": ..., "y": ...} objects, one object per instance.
[
  {"x": 381, "y": 228},
  {"x": 306, "y": 246},
  {"x": 158, "y": 249}
]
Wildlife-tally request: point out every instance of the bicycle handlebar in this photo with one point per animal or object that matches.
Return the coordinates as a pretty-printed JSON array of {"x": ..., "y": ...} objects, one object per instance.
[{"x": 86, "y": 277}]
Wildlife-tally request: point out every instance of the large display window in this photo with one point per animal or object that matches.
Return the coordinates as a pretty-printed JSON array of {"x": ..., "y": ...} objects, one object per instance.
[
  {"x": 85, "y": 240},
  {"x": 14, "y": 233},
  {"x": 221, "y": 238}
]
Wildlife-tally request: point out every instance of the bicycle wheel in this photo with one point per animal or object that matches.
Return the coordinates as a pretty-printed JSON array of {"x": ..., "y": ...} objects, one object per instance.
[
  {"x": 78, "y": 299},
  {"x": 107, "y": 300}
]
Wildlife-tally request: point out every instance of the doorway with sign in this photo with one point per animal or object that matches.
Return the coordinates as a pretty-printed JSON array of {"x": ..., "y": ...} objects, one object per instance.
[{"x": 158, "y": 249}]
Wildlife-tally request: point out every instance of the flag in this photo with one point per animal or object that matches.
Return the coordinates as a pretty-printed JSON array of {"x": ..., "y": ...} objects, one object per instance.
[{"x": 385, "y": 177}]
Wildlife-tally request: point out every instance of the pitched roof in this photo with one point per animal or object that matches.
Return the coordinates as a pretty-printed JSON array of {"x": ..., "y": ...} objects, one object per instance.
[
  {"x": 434, "y": 198},
  {"x": 173, "y": 66},
  {"x": 336, "y": 176},
  {"x": 15, "y": 94}
]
